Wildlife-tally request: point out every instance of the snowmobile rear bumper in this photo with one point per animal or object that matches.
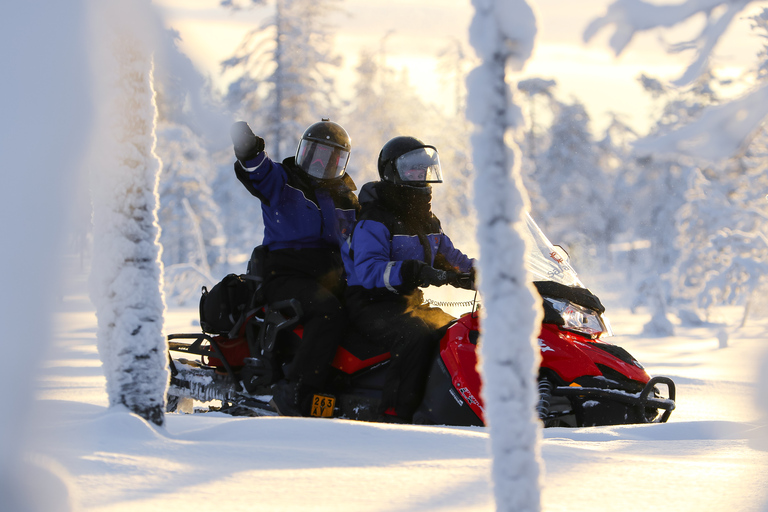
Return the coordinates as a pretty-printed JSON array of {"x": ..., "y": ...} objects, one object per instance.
[{"x": 645, "y": 399}]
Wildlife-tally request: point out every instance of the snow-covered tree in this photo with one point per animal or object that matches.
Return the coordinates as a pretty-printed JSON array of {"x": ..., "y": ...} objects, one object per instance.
[
  {"x": 722, "y": 226},
  {"x": 536, "y": 89},
  {"x": 721, "y": 233},
  {"x": 286, "y": 67},
  {"x": 453, "y": 65},
  {"x": 240, "y": 211},
  {"x": 192, "y": 234},
  {"x": 385, "y": 105},
  {"x": 615, "y": 159},
  {"x": 651, "y": 189},
  {"x": 502, "y": 33},
  {"x": 126, "y": 273},
  {"x": 574, "y": 186},
  {"x": 708, "y": 135},
  {"x": 538, "y": 109},
  {"x": 45, "y": 131},
  {"x": 372, "y": 120},
  {"x": 186, "y": 97}
]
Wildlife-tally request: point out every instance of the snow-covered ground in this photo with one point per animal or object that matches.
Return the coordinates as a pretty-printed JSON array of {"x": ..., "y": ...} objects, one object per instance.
[{"x": 711, "y": 456}]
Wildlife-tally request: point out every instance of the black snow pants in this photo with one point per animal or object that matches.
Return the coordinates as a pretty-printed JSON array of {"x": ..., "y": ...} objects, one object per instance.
[
  {"x": 411, "y": 333},
  {"x": 314, "y": 277}
]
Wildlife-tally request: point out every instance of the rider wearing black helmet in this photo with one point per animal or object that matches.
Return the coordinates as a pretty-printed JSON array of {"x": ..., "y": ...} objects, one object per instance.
[
  {"x": 397, "y": 246},
  {"x": 308, "y": 209}
]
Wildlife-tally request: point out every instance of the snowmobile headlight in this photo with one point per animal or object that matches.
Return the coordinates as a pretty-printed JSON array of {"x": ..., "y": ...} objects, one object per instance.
[{"x": 578, "y": 318}]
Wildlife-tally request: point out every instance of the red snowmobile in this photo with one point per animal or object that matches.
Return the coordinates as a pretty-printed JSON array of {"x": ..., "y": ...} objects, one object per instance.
[{"x": 583, "y": 380}]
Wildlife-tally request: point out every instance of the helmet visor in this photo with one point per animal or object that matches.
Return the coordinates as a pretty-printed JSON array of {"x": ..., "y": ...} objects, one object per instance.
[
  {"x": 421, "y": 165},
  {"x": 321, "y": 161}
]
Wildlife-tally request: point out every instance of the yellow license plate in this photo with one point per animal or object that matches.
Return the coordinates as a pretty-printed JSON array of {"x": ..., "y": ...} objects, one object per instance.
[{"x": 322, "y": 406}]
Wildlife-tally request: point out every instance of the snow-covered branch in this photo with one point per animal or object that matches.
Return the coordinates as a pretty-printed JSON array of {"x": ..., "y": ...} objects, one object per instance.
[
  {"x": 632, "y": 16},
  {"x": 721, "y": 132}
]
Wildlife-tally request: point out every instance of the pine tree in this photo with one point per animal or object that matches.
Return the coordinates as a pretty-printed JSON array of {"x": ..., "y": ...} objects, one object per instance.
[
  {"x": 285, "y": 66},
  {"x": 385, "y": 105},
  {"x": 540, "y": 104},
  {"x": 574, "y": 187},
  {"x": 192, "y": 234}
]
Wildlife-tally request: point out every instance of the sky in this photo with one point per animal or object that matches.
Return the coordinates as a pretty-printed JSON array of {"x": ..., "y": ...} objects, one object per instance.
[{"x": 411, "y": 34}]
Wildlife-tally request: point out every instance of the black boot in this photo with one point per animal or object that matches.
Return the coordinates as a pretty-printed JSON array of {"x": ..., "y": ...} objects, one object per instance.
[
  {"x": 285, "y": 398},
  {"x": 294, "y": 399}
]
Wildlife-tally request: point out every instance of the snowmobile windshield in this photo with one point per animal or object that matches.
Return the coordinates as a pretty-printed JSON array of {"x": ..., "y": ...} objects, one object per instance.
[
  {"x": 544, "y": 261},
  {"x": 321, "y": 161},
  {"x": 421, "y": 165}
]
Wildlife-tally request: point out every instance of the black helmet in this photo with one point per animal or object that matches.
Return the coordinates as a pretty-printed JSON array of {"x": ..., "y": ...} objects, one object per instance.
[
  {"x": 323, "y": 150},
  {"x": 408, "y": 161}
]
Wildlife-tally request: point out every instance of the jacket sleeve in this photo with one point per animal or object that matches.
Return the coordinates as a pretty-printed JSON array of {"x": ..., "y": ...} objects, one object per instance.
[
  {"x": 374, "y": 269},
  {"x": 262, "y": 177},
  {"x": 453, "y": 256}
]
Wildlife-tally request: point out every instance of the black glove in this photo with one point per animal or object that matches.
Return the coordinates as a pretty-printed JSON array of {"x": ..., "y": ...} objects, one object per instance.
[
  {"x": 465, "y": 281},
  {"x": 247, "y": 145},
  {"x": 431, "y": 276}
]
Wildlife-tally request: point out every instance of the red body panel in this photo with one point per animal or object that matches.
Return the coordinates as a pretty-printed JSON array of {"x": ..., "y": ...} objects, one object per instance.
[
  {"x": 460, "y": 357},
  {"x": 566, "y": 353},
  {"x": 350, "y": 363},
  {"x": 235, "y": 351}
]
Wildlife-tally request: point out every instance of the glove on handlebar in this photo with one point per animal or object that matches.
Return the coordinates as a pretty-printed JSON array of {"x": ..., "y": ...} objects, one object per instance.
[
  {"x": 247, "y": 145},
  {"x": 464, "y": 281},
  {"x": 431, "y": 276}
]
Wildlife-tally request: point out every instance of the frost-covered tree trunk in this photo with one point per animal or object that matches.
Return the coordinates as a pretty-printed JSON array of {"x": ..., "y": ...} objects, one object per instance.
[
  {"x": 126, "y": 274},
  {"x": 44, "y": 132},
  {"x": 502, "y": 33}
]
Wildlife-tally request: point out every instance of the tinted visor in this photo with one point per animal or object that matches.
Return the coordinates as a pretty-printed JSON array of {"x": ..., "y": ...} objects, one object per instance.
[
  {"x": 321, "y": 161},
  {"x": 421, "y": 165}
]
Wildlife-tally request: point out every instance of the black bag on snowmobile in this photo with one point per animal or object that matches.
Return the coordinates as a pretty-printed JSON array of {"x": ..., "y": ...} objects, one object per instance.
[{"x": 223, "y": 308}]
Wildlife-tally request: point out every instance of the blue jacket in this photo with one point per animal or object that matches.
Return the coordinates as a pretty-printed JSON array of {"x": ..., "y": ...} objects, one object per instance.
[
  {"x": 390, "y": 238},
  {"x": 299, "y": 212}
]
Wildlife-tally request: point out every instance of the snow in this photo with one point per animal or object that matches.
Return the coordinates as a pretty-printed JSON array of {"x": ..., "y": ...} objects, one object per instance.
[
  {"x": 711, "y": 456},
  {"x": 80, "y": 454}
]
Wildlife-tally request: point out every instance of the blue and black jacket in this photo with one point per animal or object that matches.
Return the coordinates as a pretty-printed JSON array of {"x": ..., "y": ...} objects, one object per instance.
[
  {"x": 305, "y": 220},
  {"x": 395, "y": 235},
  {"x": 298, "y": 211}
]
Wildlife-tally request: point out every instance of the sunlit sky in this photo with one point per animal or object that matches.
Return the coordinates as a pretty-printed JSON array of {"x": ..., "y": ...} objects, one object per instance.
[{"x": 412, "y": 32}]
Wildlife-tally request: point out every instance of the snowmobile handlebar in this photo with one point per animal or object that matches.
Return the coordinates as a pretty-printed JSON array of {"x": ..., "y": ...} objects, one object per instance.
[{"x": 465, "y": 280}]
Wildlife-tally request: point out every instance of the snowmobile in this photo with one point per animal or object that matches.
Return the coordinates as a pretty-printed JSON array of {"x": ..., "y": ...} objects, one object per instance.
[{"x": 583, "y": 380}]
